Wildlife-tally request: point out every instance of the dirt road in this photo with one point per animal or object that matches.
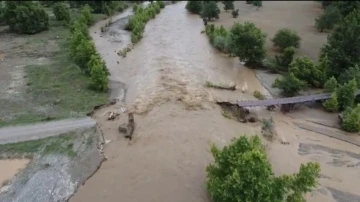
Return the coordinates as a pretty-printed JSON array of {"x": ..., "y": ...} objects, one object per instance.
[{"x": 42, "y": 130}]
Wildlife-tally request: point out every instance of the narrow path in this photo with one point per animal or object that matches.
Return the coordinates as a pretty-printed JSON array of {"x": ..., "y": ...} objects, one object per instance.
[{"x": 42, "y": 130}]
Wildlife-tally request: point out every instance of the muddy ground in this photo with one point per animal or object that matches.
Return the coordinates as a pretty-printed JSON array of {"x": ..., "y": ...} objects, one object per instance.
[
  {"x": 58, "y": 166},
  {"x": 177, "y": 119},
  {"x": 38, "y": 80}
]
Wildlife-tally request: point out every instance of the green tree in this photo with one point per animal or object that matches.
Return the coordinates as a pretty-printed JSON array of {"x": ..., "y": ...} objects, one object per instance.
[
  {"x": 285, "y": 58},
  {"x": 242, "y": 172},
  {"x": 351, "y": 120},
  {"x": 84, "y": 51},
  {"x": 346, "y": 7},
  {"x": 350, "y": 74},
  {"x": 228, "y": 5},
  {"x": 303, "y": 68},
  {"x": 61, "y": 12},
  {"x": 328, "y": 20},
  {"x": 258, "y": 4},
  {"x": 331, "y": 84},
  {"x": 161, "y": 4},
  {"x": 346, "y": 94},
  {"x": 343, "y": 45},
  {"x": 88, "y": 16},
  {"x": 194, "y": 6},
  {"x": 332, "y": 104},
  {"x": 26, "y": 17},
  {"x": 210, "y": 10},
  {"x": 290, "y": 85},
  {"x": 235, "y": 13},
  {"x": 285, "y": 38},
  {"x": 98, "y": 79},
  {"x": 248, "y": 43}
]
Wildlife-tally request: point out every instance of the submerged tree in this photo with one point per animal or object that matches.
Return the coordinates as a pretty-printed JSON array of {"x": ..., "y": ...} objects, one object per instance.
[
  {"x": 210, "y": 10},
  {"x": 228, "y": 5}
]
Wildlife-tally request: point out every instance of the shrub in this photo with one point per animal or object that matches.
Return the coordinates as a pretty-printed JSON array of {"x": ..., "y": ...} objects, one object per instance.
[
  {"x": 290, "y": 85},
  {"x": 228, "y": 5},
  {"x": 285, "y": 58},
  {"x": 135, "y": 7},
  {"x": 304, "y": 69},
  {"x": 351, "y": 120},
  {"x": 84, "y": 51},
  {"x": 161, "y": 4},
  {"x": 88, "y": 16},
  {"x": 242, "y": 172},
  {"x": 259, "y": 95},
  {"x": 350, "y": 74},
  {"x": 332, "y": 104},
  {"x": 61, "y": 12},
  {"x": 98, "y": 78},
  {"x": 285, "y": 38},
  {"x": 343, "y": 45},
  {"x": 194, "y": 6},
  {"x": 26, "y": 17},
  {"x": 80, "y": 24},
  {"x": 328, "y": 20},
  {"x": 248, "y": 42},
  {"x": 331, "y": 84},
  {"x": 235, "y": 13},
  {"x": 210, "y": 10},
  {"x": 258, "y": 4},
  {"x": 346, "y": 94}
]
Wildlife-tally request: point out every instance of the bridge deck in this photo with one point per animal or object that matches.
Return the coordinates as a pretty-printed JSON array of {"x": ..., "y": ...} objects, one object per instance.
[{"x": 290, "y": 100}]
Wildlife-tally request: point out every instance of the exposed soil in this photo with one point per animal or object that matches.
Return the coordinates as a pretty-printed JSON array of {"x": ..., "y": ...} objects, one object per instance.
[{"x": 177, "y": 119}]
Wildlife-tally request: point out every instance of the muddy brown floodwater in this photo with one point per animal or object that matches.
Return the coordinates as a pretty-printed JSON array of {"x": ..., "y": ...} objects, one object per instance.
[{"x": 177, "y": 120}]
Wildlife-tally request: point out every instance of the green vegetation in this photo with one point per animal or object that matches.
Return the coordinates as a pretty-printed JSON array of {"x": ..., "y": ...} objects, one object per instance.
[
  {"x": 258, "y": 4},
  {"x": 219, "y": 86},
  {"x": 228, "y": 5},
  {"x": 62, "y": 144},
  {"x": 248, "y": 43},
  {"x": 304, "y": 68},
  {"x": 259, "y": 95},
  {"x": 285, "y": 38},
  {"x": 242, "y": 172},
  {"x": 331, "y": 84},
  {"x": 351, "y": 121},
  {"x": 332, "y": 105},
  {"x": 290, "y": 85},
  {"x": 219, "y": 37},
  {"x": 142, "y": 15},
  {"x": 328, "y": 20},
  {"x": 346, "y": 94},
  {"x": 210, "y": 10},
  {"x": 235, "y": 13},
  {"x": 194, "y": 6},
  {"x": 62, "y": 12},
  {"x": 25, "y": 17}
]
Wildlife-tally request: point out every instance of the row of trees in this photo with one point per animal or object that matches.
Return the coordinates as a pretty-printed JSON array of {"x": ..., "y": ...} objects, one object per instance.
[
  {"x": 210, "y": 10},
  {"x": 84, "y": 53},
  {"x": 142, "y": 15},
  {"x": 242, "y": 172}
]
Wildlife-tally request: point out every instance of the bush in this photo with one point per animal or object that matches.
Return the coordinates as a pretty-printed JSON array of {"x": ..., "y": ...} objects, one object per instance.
[
  {"x": 351, "y": 120},
  {"x": 219, "y": 37},
  {"x": 88, "y": 16},
  {"x": 84, "y": 51},
  {"x": 331, "y": 84},
  {"x": 328, "y": 20},
  {"x": 248, "y": 43},
  {"x": 343, "y": 45},
  {"x": 350, "y": 74},
  {"x": 258, "y": 4},
  {"x": 303, "y": 68},
  {"x": 285, "y": 58},
  {"x": 285, "y": 38},
  {"x": 61, "y": 12},
  {"x": 235, "y": 13},
  {"x": 259, "y": 95},
  {"x": 26, "y": 17},
  {"x": 290, "y": 85},
  {"x": 228, "y": 5},
  {"x": 80, "y": 25},
  {"x": 210, "y": 10},
  {"x": 194, "y": 6},
  {"x": 332, "y": 104},
  {"x": 242, "y": 172},
  {"x": 98, "y": 78},
  {"x": 161, "y": 4},
  {"x": 346, "y": 94}
]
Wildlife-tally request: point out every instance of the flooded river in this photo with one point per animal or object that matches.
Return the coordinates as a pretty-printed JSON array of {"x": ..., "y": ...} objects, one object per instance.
[{"x": 176, "y": 118}]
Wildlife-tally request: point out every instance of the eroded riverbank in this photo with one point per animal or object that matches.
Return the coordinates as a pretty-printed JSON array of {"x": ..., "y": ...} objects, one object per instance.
[{"x": 177, "y": 120}]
